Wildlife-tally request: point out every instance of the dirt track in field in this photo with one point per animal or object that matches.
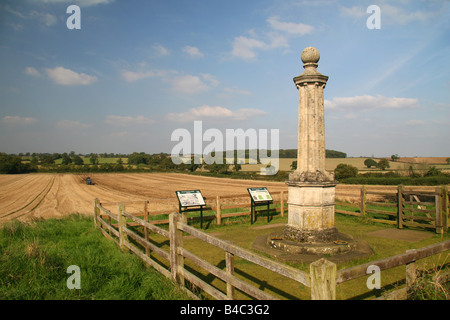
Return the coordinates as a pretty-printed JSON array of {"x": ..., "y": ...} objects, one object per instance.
[{"x": 35, "y": 196}]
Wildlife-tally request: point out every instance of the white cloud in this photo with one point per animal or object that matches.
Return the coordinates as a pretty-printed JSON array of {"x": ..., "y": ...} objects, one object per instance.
[
  {"x": 32, "y": 72},
  {"x": 415, "y": 122},
  {"x": 368, "y": 102},
  {"x": 69, "y": 124},
  {"x": 290, "y": 27},
  {"x": 206, "y": 112},
  {"x": 16, "y": 120},
  {"x": 193, "y": 52},
  {"x": 45, "y": 18},
  {"x": 123, "y": 121},
  {"x": 160, "y": 50},
  {"x": 81, "y": 3},
  {"x": 189, "y": 84},
  {"x": 132, "y": 76},
  {"x": 389, "y": 14},
  {"x": 247, "y": 47},
  {"x": 68, "y": 77}
]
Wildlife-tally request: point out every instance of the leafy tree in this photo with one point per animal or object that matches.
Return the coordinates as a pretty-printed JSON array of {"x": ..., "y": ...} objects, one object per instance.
[
  {"x": 433, "y": 171},
  {"x": 77, "y": 160},
  {"x": 12, "y": 164},
  {"x": 294, "y": 165},
  {"x": 370, "y": 163},
  {"x": 383, "y": 164},
  {"x": 66, "y": 159},
  {"x": 395, "y": 157},
  {"x": 93, "y": 159},
  {"x": 344, "y": 171},
  {"x": 139, "y": 158},
  {"x": 47, "y": 159}
]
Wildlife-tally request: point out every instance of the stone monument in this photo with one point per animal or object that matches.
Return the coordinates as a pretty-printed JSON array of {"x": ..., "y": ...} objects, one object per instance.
[
  {"x": 311, "y": 188},
  {"x": 310, "y": 231}
]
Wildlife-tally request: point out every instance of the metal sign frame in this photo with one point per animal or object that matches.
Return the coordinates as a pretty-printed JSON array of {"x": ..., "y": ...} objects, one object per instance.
[
  {"x": 187, "y": 205},
  {"x": 259, "y": 197}
]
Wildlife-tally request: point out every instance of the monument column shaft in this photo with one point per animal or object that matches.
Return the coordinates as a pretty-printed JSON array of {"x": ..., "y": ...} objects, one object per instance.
[{"x": 311, "y": 128}]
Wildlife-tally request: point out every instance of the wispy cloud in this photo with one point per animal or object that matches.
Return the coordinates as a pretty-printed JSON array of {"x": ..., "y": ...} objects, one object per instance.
[
  {"x": 32, "y": 72},
  {"x": 247, "y": 48},
  {"x": 69, "y": 124},
  {"x": 132, "y": 76},
  {"x": 124, "y": 121},
  {"x": 67, "y": 77},
  {"x": 368, "y": 102},
  {"x": 81, "y": 3},
  {"x": 16, "y": 120},
  {"x": 160, "y": 50},
  {"x": 217, "y": 113},
  {"x": 194, "y": 52},
  {"x": 393, "y": 15},
  {"x": 190, "y": 84},
  {"x": 290, "y": 27},
  {"x": 43, "y": 17}
]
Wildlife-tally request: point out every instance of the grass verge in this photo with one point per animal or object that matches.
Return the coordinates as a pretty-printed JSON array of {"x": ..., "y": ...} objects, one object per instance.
[{"x": 34, "y": 259}]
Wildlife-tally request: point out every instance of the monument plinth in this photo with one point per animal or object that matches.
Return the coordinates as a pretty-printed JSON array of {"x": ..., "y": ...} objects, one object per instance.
[{"x": 311, "y": 188}]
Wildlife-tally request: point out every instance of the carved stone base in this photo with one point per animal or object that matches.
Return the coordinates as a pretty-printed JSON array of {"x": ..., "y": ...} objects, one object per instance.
[{"x": 310, "y": 236}]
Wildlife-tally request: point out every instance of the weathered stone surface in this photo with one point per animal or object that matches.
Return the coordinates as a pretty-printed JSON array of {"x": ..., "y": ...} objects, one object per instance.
[{"x": 326, "y": 235}]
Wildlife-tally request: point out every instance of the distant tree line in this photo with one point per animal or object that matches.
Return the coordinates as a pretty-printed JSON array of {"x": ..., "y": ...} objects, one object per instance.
[{"x": 292, "y": 153}]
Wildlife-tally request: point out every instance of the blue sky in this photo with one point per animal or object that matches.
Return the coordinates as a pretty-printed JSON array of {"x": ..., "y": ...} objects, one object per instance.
[{"x": 138, "y": 70}]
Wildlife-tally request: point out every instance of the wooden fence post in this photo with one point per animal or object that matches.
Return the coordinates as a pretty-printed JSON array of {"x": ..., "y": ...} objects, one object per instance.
[
  {"x": 444, "y": 210},
  {"x": 147, "y": 250},
  {"x": 282, "y": 203},
  {"x": 400, "y": 207},
  {"x": 122, "y": 225},
  {"x": 96, "y": 212},
  {"x": 439, "y": 213},
  {"x": 219, "y": 212},
  {"x": 323, "y": 280},
  {"x": 176, "y": 241},
  {"x": 363, "y": 200},
  {"x": 410, "y": 271},
  {"x": 229, "y": 258}
]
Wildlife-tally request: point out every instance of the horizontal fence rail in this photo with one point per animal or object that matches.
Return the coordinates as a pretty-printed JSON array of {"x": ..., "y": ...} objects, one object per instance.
[{"x": 322, "y": 279}]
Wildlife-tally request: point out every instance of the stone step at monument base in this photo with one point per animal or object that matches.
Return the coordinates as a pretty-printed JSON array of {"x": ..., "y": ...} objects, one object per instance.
[{"x": 343, "y": 248}]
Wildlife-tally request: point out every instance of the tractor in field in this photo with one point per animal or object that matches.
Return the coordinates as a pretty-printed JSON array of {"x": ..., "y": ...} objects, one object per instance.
[{"x": 89, "y": 181}]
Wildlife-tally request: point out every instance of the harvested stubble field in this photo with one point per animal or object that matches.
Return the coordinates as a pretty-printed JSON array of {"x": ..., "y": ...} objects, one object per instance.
[{"x": 35, "y": 196}]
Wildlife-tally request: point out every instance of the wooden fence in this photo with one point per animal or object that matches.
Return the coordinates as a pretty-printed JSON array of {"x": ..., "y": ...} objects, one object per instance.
[
  {"x": 323, "y": 277},
  {"x": 406, "y": 206},
  {"x": 214, "y": 210}
]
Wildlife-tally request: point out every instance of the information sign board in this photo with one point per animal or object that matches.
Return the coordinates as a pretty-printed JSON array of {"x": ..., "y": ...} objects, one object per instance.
[
  {"x": 260, "y": 194},
  {"x": 190, "y": 198}
]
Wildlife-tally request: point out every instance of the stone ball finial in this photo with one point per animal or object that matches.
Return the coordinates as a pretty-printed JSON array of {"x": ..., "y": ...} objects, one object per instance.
[{"x": 310, "y": 55}]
